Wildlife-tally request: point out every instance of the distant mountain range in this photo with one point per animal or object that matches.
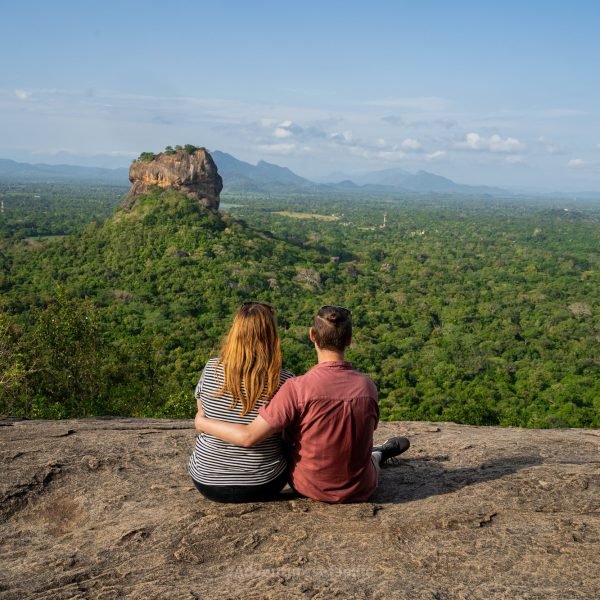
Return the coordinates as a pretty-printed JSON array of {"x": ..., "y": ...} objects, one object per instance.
[
  {"x": 264, "y": 177},
  {"x": 240, "y": 176},
  {"x": 15, "y": 171},
  {"x": 422, "y": 181},
  {"x": 268, "y": 178}
]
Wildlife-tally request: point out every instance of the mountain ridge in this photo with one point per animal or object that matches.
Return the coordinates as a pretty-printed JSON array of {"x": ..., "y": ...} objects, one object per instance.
[
  {"x": 11, "y": 169},
  {"x": 264, "y": 177},
  {"x": 395, "y": 180}
]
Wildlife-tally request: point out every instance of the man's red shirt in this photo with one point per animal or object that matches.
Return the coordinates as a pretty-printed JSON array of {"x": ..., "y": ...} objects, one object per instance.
[{"x": 330, "y": 414}]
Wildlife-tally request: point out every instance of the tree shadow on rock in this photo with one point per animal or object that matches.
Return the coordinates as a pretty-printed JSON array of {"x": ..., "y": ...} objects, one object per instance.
[{"x": 414, "y": 479}]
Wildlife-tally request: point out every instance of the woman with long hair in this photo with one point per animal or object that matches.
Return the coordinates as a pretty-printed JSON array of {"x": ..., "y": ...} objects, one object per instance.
[{"x": 232, "y": 388}]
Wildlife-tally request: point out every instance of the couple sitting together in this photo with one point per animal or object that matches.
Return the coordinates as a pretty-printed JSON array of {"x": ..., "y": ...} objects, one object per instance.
[{"x": 261, "y": 428}]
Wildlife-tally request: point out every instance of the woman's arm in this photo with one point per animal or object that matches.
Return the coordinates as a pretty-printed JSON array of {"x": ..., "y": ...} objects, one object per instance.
[{"x": 234, "y": 433}]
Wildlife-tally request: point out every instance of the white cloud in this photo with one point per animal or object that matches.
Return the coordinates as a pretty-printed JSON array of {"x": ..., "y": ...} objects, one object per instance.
[
  {"x": 549, "y": 146},
  {"x": 344, "y": 137},
  {"x": 390, "y": 155},
  {"x": 473, "y": 141},
  {"x": 411, "y": 144},
  {"x": 348, "y": 136},
  {"x": 494, "y": 143},
  {"x": 277, "y": 148},
  {"x": 288, "y": 128},
  {"x": 22, "y": 94},
  {"x": 282, "y": 132},
  {"x": 436, "y": 154}
]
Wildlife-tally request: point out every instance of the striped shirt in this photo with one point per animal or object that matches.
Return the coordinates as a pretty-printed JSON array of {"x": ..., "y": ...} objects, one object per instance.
[{"x": 215, "y": 462}]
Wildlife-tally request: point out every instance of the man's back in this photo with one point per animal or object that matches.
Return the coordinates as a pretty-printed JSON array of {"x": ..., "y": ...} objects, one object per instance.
[{"x": 330, "y": 414}]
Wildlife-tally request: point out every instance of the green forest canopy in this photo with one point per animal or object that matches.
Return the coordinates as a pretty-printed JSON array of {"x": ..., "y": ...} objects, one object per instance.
[{"x": 478, "y": 311}]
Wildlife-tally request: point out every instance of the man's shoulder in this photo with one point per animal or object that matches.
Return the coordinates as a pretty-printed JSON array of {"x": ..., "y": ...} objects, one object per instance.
[
  {"x": 356, "y": 373},
  {"x": 366, "y": 378},
  {"x": 360, "y": 383},
  {"x": 367, "y": 381},
  {"x": 288, "y": 383},
  {"x": 299, "y": 381}
]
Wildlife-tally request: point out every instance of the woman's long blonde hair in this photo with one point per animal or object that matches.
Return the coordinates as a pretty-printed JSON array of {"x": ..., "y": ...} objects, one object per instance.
[{"x": 251, "y": 356}]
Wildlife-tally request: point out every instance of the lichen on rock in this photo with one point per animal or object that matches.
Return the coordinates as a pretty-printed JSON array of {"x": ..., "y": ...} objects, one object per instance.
[{"x": 194, "y": 173}]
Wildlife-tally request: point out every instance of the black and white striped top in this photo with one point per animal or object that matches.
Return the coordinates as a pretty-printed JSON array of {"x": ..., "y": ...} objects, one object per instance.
[{"x": 215, "y": 462}]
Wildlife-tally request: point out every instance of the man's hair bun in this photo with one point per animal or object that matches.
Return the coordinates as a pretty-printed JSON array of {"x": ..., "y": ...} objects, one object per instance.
[
  {"x": 334, "y": 314},
  {"x": 334, "y": 317},
  {"x": 332, "y": 326}
]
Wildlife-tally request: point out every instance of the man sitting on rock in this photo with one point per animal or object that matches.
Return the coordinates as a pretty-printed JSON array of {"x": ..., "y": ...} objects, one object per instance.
[{"x": 329, "y": 415}]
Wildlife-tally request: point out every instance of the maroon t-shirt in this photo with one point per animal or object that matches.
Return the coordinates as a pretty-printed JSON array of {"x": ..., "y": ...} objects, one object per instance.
[{"x": 330, "y": 414}]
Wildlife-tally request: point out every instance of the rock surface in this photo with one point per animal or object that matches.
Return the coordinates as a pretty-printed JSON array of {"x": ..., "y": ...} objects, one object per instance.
[
  {"x": 195, "y": 174},
  {"x": 103, "y": 508}
]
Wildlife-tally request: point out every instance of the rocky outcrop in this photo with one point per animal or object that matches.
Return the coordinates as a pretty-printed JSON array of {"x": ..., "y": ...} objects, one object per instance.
[
  {"x": 193, "y": 173},
  {"x": 103, "y": 508}
]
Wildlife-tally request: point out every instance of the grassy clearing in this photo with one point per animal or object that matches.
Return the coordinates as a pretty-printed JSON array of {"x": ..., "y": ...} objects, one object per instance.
[
  {"x": 300, "y": 215},
  {"x": 44, "y": 238}
]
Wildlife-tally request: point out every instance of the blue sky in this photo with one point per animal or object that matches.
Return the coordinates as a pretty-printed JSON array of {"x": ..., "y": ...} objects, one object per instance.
[{"x": 502, "y": 93}]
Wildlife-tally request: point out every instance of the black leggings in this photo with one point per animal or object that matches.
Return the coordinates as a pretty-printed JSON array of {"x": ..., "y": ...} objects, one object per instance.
[{"x": 243, "y": 493}]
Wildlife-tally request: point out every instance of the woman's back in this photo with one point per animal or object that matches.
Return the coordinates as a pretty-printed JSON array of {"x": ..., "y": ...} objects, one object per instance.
[{"x": 217, "y": 463}]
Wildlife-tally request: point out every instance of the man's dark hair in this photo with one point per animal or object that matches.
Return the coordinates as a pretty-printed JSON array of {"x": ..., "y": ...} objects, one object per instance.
[{"x": 332, "y": 327}]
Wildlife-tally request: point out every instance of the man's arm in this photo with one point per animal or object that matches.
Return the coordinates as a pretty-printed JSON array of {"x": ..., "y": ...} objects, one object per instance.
[
  {"x": 279, "y": 413},
  {"x": 234, "y": 433}
]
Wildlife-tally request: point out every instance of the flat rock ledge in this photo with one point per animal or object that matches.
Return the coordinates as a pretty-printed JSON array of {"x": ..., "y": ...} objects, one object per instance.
[{"x": 104, "y": 508}]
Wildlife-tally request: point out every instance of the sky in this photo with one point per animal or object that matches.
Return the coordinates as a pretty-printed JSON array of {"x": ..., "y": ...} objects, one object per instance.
[{"x": 484, "y": 92}]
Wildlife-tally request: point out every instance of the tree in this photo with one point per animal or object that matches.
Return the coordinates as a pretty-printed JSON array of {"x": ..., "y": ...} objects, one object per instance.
[
  {"x": 69, "y": 345},
  {"x": 12, "y": 369}
]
